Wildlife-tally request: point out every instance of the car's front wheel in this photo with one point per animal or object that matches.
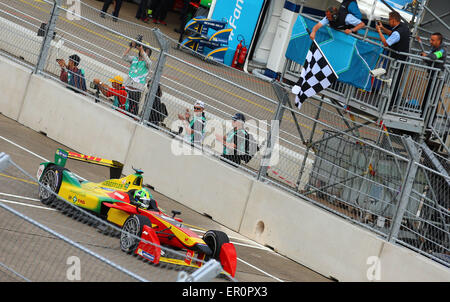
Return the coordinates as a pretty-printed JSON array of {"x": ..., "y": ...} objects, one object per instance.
[
  {"x": 132, "y": 231},
  {"x": 215, "y": 240},
  {"x": 50, "y": 184}
]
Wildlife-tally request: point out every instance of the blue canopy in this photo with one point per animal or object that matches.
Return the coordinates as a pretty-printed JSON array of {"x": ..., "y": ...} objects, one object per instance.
[{"x": 351, "y": 58}]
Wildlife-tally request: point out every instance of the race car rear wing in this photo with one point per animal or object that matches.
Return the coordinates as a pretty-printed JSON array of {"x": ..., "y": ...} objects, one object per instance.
[{"x": 62, "y": 155}]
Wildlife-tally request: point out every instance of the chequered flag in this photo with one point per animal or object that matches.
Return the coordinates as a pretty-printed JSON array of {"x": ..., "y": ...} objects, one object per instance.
[{"x": 317, "y": 74}]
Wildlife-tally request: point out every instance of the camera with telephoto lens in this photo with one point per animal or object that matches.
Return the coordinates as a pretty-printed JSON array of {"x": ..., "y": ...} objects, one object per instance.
[
  {"x": 94, "y": 86},
  {"x": 139, "y": 39}
]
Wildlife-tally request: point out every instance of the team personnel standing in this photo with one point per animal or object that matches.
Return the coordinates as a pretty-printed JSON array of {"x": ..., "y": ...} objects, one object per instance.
[
  {"x": 437, "y": 52},
  {"x": 117, "y": 6},
  {"x": 398, "y": 36},
  {"x": 398, "y": 40},
  {"x": 160, "y": 8}
]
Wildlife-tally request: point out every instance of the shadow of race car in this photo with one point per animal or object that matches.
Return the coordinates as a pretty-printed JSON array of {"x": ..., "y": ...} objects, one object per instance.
[{"x": 124, "y": 202}]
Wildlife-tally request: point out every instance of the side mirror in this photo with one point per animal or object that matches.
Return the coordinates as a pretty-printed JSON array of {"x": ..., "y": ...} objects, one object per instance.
[{"x": 175, "y": 213}]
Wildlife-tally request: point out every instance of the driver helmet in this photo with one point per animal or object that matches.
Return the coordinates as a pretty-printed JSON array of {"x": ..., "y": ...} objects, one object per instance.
[{"x": 142, "y": 197}]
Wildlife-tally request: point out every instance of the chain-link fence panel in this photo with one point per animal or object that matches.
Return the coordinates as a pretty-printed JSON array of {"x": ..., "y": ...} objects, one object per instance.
[{"x": 426, "y": 223}]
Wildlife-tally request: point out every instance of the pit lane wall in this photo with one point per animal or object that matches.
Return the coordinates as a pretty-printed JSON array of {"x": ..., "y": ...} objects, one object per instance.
[{"x": 332, "y": 246}]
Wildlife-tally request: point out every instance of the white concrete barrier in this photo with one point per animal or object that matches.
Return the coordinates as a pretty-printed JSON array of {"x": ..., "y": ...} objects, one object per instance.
[
  {"x": 399, "y": 264},
  {"x": 307, "y": 234},
  {"x": 13, "y": 85},
  {"x": 20, "y": 41}
]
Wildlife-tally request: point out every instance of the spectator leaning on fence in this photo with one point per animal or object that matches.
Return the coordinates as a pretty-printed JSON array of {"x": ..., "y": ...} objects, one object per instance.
[
  {"x": 71, "y": 74},
  {"x": 117, "y": 91},
  {"x": 437, "y": 52},
  {"x": 195, "y": 126},
  {"x": 138, "y": 73},
  {"x": 234, "y": 142},
  {"x": 347, "y": 17}
]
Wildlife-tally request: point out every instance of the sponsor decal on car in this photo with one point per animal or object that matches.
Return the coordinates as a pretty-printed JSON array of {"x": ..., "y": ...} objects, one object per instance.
[
  {"x": 146, "y": 255},
  {"x": 39, "y": 171}
]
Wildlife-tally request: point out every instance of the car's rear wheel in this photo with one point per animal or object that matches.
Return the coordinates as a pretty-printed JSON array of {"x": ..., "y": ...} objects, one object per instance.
[
  {"x": 51, "y": 180},
  {"x": 132, "y": 231},
  {"x": 215, "y": 240}
]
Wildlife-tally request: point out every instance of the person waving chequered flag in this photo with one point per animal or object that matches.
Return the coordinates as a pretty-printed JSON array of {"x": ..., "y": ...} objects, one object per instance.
[{"x": 317, "y": 74}]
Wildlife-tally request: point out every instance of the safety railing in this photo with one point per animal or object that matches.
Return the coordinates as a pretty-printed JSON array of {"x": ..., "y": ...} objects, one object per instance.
[{"x": 340, "y": 160}]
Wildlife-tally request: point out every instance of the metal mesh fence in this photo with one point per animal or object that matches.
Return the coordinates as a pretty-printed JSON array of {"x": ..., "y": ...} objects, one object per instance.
[
  {"x": 427, "y": 219},
  {"x": 338, "y": 159}
]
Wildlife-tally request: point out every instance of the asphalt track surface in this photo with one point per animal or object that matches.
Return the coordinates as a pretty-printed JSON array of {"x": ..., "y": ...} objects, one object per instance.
[{"x": 28, "y": 149}]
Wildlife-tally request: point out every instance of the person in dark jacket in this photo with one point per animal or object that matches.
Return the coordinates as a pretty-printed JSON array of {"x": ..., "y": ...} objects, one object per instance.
[
  {"x": 159, "y": 9},
  {"x": 159, "y": 109},
  {"x": 398, "y": 41},
  {"x": 347, "y": 18},
  {"x": 235, "y": 142},
  {"x": 438, "y": 52},
  {"x": 117, "y": 6}
]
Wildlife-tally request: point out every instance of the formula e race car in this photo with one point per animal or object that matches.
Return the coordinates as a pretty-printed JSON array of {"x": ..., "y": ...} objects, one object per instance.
[{"x": 124, "y": 202}]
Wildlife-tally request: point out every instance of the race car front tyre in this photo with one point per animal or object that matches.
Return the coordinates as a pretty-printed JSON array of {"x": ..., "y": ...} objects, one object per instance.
[
  {"x": 51, "y": 180},
  {"x": 130, "y": 235},
  {"x": 215, "y": 240}
]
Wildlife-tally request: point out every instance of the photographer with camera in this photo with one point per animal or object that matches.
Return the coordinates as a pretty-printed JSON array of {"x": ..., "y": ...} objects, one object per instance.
[
  {"x": 117, "y": 91},
  {"x": 138, "y": 73},
  {"x": 71, "y": 74}
]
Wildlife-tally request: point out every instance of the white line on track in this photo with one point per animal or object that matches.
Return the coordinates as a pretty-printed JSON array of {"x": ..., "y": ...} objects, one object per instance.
[
  {"x": 40, "y": 207},
  {"x": 27, "y": 205},
  {"x": 17, "y": 196}
]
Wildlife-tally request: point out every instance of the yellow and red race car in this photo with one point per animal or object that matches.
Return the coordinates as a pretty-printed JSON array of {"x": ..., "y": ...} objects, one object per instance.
[{"x": 126, "y": 203}]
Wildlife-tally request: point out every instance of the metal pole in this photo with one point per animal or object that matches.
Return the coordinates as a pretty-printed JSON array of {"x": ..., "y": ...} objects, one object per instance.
[
  {"x": 309, "y": 144},
  {"x": 417, "y": 22},
  {"x": 406, "y": 189},
  {"x": 151, "y": 94},
  {"x": 282, "y": 98},
  {"x": 437, "y": 18},
  {"x": 45, "y": 47}
]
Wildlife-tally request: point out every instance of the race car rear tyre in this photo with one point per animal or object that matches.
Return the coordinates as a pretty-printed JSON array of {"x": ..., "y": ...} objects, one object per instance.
[
  {"x": 51, "y": 179},
  {"x": 215, "y": 240},
  {"x": 132, "y": 231}
]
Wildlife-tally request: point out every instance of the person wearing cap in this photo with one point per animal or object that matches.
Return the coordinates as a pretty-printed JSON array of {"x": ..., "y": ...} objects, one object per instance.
[
  {"x": 117, "y": 91},
  {"x": 71, "y": 74},
  {"x": 138, "y": 74},
  {"x": 195, "y": 127},
  {"x": 234, "y": 145}
]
